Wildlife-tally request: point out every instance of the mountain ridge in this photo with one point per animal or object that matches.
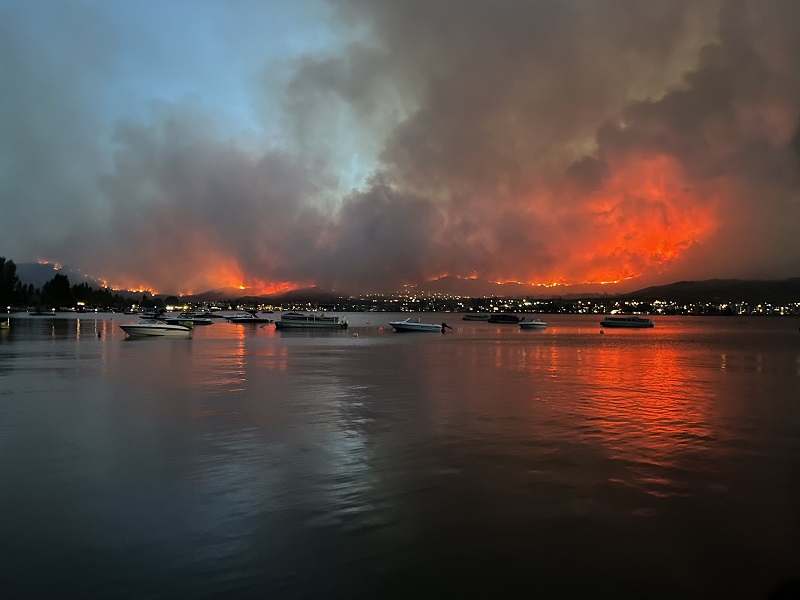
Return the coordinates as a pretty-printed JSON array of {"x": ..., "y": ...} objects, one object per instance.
[{"x": 704, "y": 290}]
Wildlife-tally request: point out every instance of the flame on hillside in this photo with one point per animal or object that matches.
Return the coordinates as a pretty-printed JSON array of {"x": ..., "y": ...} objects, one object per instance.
[
  {"x": 647, "y": 216},
  {"x": 221, "y": 274},
  {"x": 643, "y": 216}
]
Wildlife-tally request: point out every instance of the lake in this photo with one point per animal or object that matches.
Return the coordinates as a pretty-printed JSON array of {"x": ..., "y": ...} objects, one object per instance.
[{"x": 247, "y": 462}]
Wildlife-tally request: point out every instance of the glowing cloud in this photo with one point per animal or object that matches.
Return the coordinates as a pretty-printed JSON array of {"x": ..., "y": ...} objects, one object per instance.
[{"x": 545, "y": 143}]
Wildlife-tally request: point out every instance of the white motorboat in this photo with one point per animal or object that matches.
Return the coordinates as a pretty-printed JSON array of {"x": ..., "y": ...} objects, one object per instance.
[
  {"x": 409, "y": 325},
  {"x": 630, "y": 322},
  {"x": 532, "y": 324},
  {"x": 157, "y": 327},
  {"x": 248, "y": 317},
  {"x": 186, "y": 317},
  {"x": 152, "y": 314}
]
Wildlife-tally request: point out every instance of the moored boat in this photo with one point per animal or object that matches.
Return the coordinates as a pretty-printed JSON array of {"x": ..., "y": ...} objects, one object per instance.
[
  {"x": 629, "y": 322},
  {"x": 296, "y": 316},
  {"x": 248, "y": 317},
  {"x": 293, "y": 315},
  {"x": 152, "y": 314},
  {"x": 504, "y": 318},
  {"x": 475, "y": 317},
  {"x": 301, "y": 321},
  {"x": 532, "y": 324},
  {"x": 157, "y": 327},
  {"x": 409, "y": 325},
  {"x": 184, "y": 317}
]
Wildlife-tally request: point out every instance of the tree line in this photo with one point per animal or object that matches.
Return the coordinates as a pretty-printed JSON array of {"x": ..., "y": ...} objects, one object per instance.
[{"x": 57, "y": 293}]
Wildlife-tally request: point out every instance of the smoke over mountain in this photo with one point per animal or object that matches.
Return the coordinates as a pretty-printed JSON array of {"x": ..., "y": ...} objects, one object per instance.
[{"x": 541, "y": 142}]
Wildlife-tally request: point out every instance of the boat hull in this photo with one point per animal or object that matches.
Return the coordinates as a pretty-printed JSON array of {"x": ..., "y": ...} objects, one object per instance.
[
  {"x": 298, "y": 324},
  {"x": 404, "y": 326},
  {"x": 504, "y": 319},
  {"x": 246, "y": 320},
  {"x": 627, "y": 323},
  {"x": 532, "y": 324},
  {"x": 165, "y": 330},
  {"x": 192, "y": 320}
]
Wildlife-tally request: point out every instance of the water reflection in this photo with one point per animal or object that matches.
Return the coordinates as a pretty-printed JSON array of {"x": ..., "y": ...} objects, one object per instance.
[
  {"x": 649, "y": 410},
  {"x": 320, "y": 466}
]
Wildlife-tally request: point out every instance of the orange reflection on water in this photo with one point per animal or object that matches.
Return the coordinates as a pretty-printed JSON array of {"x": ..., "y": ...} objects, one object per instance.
[
  {"x": 648, "y": 409},
  {"x": 647, "y": 400},
  {"x": 238, "y": 375},
  {"x": 643, "y": 403},
  {"x": 230, "y": 354}
]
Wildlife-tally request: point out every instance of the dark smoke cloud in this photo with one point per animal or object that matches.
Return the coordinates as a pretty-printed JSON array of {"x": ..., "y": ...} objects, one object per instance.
[{"x": 533, "y": 141}]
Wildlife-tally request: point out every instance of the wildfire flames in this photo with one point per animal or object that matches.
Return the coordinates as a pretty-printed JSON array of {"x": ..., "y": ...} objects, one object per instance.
[
  {"x": 645, "y": 215},
  {"x": 222, "y": 275}
]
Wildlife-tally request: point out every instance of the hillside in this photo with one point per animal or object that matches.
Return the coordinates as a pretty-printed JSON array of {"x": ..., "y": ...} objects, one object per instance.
[{"x": 723, "y": 290}]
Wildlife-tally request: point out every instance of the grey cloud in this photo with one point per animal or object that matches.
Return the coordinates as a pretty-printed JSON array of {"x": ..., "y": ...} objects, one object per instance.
[{"x": 510, "y": 140}]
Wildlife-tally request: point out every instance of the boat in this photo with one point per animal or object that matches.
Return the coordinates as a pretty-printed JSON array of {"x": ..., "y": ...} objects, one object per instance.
[
  {"x": 296, "y": 316},
  {"x": 475, "y": 317},
  {"x": 409, "y": 325},
  {"x": 630, "y": 322},
  {"x": 248, "y": 317},
  {"x": 301, "y": 321},
  {"x": 532, "y": 324},
  {"x": 185, "y": 316},
  {"x": 152, "y": 314},
  {"x": 201, "y": 314},
  {"x": 504, "y": 318},
  {"x": 157, "y": 327}
]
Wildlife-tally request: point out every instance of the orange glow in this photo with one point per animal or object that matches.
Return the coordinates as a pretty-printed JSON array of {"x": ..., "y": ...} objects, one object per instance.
[
  {"x": 534, "y": 284},
  {"x": 206, "y": 275},
  {"x": 56, "y": 266},
  {"x": 646, "y": 403},
  {"x": 647, "y": 215}
]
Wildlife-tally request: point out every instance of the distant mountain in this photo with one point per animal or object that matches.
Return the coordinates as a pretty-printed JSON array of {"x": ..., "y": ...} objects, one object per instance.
[
  {"x": 710, "y": 290},
  {"x": 210, "y": 295},
  {"x": 38, "y": 274},
  {"x": 480, "y": 288},
  {"x": 723, "y": 290},
  {"x": 238, "y": 295}
]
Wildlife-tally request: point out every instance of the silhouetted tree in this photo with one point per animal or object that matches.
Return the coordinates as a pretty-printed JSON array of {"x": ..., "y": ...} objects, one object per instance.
[
  {"x": 57, "y": 292},
  {"x": 31, "y": 296},
  {"x": 82, "y": 293},
  {"x": 9, "y": 283}
]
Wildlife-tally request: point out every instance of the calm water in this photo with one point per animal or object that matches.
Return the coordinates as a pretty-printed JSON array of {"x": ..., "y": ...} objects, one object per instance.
[{"x": 251, "y": 463}]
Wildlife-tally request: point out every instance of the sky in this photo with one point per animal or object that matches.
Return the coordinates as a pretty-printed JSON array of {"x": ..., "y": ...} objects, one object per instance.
[{"x": 371, "y": 146}]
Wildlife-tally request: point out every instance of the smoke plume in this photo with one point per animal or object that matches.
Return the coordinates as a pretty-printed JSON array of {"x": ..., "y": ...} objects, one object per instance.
[{"x": 537, "y": 142}]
